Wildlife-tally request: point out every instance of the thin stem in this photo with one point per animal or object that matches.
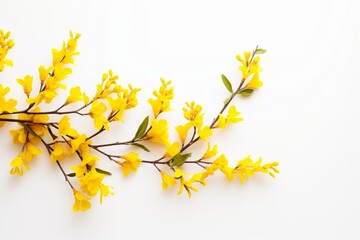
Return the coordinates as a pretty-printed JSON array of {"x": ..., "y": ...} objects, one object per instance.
[
  {"x": 24, "y": 121},
  {"x": 63, "y": 172}
]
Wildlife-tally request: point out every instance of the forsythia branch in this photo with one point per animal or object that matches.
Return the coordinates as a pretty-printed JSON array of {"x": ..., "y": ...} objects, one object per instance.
[{"x": 107, "y": 106}]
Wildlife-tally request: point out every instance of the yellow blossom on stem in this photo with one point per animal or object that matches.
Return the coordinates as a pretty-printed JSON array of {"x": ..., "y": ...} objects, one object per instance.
[
  {"x": 246, "y": 168},
  {"x": 78, "y": 141},
  {"x": 104, "y": 191},
  {"x": 205, "y": 132},
  {"x": 6, "y": 106},
  {"x": 59, "y": 152},
  {"x": 183, "y": 131},
  {"x": 192, "y": 112},
  {"x": 184, "y": 184},
  {"x": 18, "y": 165},
  {"x": 5, "y": 45},
  {"x": 158, "y": 132},
  {"x": 88, "y": 162},
  {"x": 97, "y": 113},
  {"x": 221, "y": 163},
  {"x": 26, "y": 83},
  {"x": 19, "y": 136},
  {"x": 172, "y": 149},
  {"x": 131, "y": 96},
  {"x": 131, "y": 163},
  {"x": 162, "y": 101},
  {"x": 81, "y": 202},
  {"x": 233, "y": 116},
  {"x": 30, "y": 151},
  {"x": 167, "y": 180},
  {"x": 221, "y": 122},
  {"x": 65, "y": 128},
  {"x": 118, "y": 106},
  {"x": 90, "y": 182},
  {"x": 248, "y": 67},
  {"x": 254, "y": 83},
  {"x": 74, "y": 96},
  {"x": 210, "y": 152},
  {"x": 199, "y": 178},
  {"x": 44, "y": 73}
]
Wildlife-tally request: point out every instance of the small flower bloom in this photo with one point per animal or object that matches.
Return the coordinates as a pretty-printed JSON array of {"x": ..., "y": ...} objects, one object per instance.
[
  {"x": 158, "y": 132},
  {"x": 18, "y": 165},
  {"x": 26, "y": 83},
  {"x": 205, "y": 132},
  {"x": 210, "y": 152},
  {"x": 167, "y": 180},
  {"x": 81, "y": 202},
  {"x": 131, "y": 163}
]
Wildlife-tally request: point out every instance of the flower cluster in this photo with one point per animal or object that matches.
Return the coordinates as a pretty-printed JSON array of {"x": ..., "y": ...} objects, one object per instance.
[
  {"x": 5, "y": 45},
  {"x": 53, "y": 131}
]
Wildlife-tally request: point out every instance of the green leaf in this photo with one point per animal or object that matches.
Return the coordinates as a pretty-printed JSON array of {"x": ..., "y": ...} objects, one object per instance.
[
  {"x": 260, "y": 51},
  {"x": 103, "y": 171},
  {"x": 71, "y": 174},
  {"x": 30, "y": 130},
  {"x": 179, "y": 159},
  {"x": 227, "y": 83},
  {"x": 141, "y": 146},
  {"x": 246, "y": 92},
  {"x": 142, "y": 128}
]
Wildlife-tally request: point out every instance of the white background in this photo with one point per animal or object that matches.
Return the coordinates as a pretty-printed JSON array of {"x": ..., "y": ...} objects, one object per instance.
[{"x": 306, "y": 116}]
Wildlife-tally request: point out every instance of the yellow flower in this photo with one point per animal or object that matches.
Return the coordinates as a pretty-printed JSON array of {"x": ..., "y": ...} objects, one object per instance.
[
  {"x": 172, "y": 149},
  {"x": 131, "y": 96},
  {"x": 184, "y": 184},
  {"x": 5, "y": 45},
  {"x": 6, "y": 106},
  {"x": 183, "y": 131},
  {"x": 221, "y": 163},
  {"x": 167, "y": 180},
  {"x": 187, "y": 185},
  {"x": 163, "y": 97},
  {"x": 178, "y": 173},
  {"x": 30, "y": 151},
  {"x": 104, "y": 191},
  {"x": 199, "y": 178},
  {"x": 247, "y": 68},
  {"x": 247, "y": 168},
  {"x": 77, "y": 142},
  {"x": 221, "y": 123},
  {"x": 58, "y": 153},
  {"x": 88, "y": 162},
  {"x": 193, "y": 114},
  {"x": 18, "y": 165},
  {"x": 205, "y": 132},
  {"x": 19, "y": 136},
  {"x": 232, "y": 116},
  {"x": 65, "y": 128},
  {"x": 44, "y": 73},
  {"x": 75, "y": 95},
  {"x": 158, "y": 132},
  {"x": 254, "y": 83},
  {"x": 210, "y": 152},
  {"x": 118, "y": 106},
  {"x": 81, "y": 202},
  {"x": 97, "y": 113},
  {"x": 26, "y": 83},
  {"x": 90, "y": 182},
  {"x": 131, "y": 163},
  {"x": 156, "y": 105}
]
